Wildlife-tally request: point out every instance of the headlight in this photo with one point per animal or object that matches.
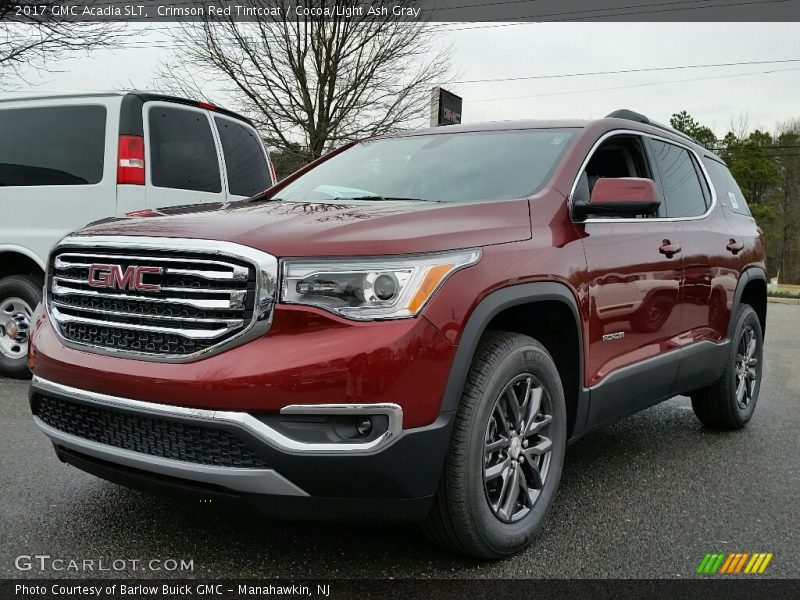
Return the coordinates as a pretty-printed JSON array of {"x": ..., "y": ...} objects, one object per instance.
[{"x": 371, "y": 288}]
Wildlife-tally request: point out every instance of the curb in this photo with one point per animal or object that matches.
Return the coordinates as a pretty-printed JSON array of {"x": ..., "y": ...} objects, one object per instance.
[{"x": 774, "y": 300}]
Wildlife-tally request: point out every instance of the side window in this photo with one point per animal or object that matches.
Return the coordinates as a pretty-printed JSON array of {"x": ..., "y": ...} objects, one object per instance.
[
  {"x": 618, "y": 156},
  {"x": 182, "y": 151},
  {"x": 684, "y": 194},
  {"x": 728, "y": 190},
  {"x": 54, "y": 145},
  {"x": 245, "y": 162}
]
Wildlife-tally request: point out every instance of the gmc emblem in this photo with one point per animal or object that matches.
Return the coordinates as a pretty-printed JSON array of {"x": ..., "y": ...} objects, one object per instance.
[{"x": 112, "y": 276}]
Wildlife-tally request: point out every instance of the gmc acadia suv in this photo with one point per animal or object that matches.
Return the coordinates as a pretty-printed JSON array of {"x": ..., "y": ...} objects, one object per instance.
[{"x": 412, "y": 327}]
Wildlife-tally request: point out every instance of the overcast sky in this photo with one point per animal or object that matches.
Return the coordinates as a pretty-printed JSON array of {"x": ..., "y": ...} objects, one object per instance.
[{"x": 714, "y": 96}]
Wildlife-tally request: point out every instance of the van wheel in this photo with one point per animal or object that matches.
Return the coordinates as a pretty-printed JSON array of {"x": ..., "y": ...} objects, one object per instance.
[
  {"x": 729, "y": 402},
  {"x": 505, "y": 457},
  {"x": 653, "y": 313},
  {"x": 19, "y": 295}
]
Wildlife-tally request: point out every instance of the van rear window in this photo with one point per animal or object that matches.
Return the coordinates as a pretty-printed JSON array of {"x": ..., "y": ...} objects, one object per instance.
[
  {"x": 183, "y": 155},
  {"x": 245, "y": 162},
  {"x": 52, "y": 145}
]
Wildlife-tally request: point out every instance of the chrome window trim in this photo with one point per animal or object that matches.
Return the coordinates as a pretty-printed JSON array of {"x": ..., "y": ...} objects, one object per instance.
[
  {"x": 612, "y": 133},
  {"x": 248, "y": 422},
  {"x": 265, "y": 265}
]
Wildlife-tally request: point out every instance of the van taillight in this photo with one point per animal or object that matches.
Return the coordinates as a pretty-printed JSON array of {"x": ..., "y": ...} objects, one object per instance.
[
  {"x": 272, "y": 174},
  {"x": 130, "y": 168}
]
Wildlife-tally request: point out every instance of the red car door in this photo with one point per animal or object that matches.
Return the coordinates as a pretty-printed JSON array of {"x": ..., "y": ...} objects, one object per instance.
[{"x": 635, "y": 269}]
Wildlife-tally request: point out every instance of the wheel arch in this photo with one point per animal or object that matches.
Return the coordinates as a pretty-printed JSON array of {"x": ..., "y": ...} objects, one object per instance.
[
  {"x": 751, "y": 289},
  {"x": 17, "y": 260},
  {"x": 509, "y": 309}
]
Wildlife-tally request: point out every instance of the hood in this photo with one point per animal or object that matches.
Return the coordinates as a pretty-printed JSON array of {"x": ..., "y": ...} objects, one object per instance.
[{"x": 322, "y": 229}]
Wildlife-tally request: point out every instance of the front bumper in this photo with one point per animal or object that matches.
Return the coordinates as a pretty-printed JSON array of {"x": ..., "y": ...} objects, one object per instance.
[
  {"x": 308, "y": 358},
  {"x": 392, "y": 475}
]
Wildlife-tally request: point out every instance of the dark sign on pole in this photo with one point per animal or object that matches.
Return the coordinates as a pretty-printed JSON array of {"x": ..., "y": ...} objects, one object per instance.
[{"x": 445, "y": 107}]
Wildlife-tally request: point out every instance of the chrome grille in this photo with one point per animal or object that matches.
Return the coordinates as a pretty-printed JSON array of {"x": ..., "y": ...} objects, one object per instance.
[{"x": 156, "y": 302}]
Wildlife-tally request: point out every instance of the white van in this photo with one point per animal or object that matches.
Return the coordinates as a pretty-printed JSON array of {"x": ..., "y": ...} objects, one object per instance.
[{"x": 69, "y": 159}]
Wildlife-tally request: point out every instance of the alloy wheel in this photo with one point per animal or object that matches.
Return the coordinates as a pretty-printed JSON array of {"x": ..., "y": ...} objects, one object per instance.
[
  {"x": 15, "y": 321},
  {"x": 517, "y": 448},
  {"x": 746, "y": 372}
]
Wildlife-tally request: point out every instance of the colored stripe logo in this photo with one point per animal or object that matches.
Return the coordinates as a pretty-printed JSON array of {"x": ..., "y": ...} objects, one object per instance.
[{"x": 734, "y": 563}]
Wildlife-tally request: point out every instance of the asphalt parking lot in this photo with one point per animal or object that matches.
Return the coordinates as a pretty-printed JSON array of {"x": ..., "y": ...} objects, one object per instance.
[{"x": 647, "y": 497}]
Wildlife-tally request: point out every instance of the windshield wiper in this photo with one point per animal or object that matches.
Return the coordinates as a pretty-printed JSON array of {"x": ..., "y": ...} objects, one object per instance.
[
  {"x": 262, "y": 198},
  {"x": 387, "y": 199}
]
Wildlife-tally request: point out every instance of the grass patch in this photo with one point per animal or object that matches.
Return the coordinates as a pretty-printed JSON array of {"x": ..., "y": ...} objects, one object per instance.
[{"x": 784, "y": 294}]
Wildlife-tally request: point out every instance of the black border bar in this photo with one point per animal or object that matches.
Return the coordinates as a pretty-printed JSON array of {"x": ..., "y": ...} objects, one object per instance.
[
  {"x": 708, "y": 588},
  {"x": 434, "y": 11}
]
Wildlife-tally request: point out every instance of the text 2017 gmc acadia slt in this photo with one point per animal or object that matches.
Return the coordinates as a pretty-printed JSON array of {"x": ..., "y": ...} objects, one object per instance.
[{"x": 412, "y": 327}]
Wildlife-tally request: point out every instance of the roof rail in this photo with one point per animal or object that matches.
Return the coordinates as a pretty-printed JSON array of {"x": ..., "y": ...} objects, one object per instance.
[{"x": 630, "y": 115}]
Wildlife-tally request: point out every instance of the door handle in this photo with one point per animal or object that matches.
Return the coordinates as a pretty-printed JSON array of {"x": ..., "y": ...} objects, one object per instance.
[
  {"x": 669, "y": 249},
  {"x": 734, "y": 246}
]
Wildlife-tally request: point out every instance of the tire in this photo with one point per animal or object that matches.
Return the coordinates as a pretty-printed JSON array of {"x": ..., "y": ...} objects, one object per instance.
[
  {"x": 721, "y": 405},
  {"x": 19, "y": 295},
  {"x": 473, "y": 516}
]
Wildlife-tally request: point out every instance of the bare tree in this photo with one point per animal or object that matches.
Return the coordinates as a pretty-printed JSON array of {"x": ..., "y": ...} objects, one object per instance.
[
  {"x": 34, "y": 36},
  {"x": 740, "y": 125},
  {"x": 311, "y": 83}
]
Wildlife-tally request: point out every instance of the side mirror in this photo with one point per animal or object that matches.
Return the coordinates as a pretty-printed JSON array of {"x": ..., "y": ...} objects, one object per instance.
[{"x": 620, "y": 196}]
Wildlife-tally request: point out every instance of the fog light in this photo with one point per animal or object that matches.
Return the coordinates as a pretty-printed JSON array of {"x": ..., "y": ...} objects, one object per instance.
[{"x": 364, "y": 426}]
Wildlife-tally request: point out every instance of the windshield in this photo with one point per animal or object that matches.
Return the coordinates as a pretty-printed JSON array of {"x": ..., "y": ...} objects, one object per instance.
[{"x": 446, "y": 167}]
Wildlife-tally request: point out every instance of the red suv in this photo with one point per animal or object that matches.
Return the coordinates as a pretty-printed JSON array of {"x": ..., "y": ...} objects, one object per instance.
[{"x": 412, "y": 327}]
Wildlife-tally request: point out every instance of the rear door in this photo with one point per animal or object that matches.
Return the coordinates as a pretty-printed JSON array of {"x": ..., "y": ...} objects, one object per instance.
[
  {"x": 704, "y": 234},
  {"x": 183, "y": 163},
  {"x": 244, "y": 157},
  {"x": 736, "y": 247}
]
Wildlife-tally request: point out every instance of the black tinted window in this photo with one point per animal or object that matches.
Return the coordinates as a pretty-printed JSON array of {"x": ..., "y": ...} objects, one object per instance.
[
  {"x": 182, "y": 151},
  {"x": 683, "y": 192},
  {"x": 245, "y": 162},
  {"x": 59, "y": 145},
  {"x": 442, "y": 167},
  {"x": 728, "y": 190}
]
